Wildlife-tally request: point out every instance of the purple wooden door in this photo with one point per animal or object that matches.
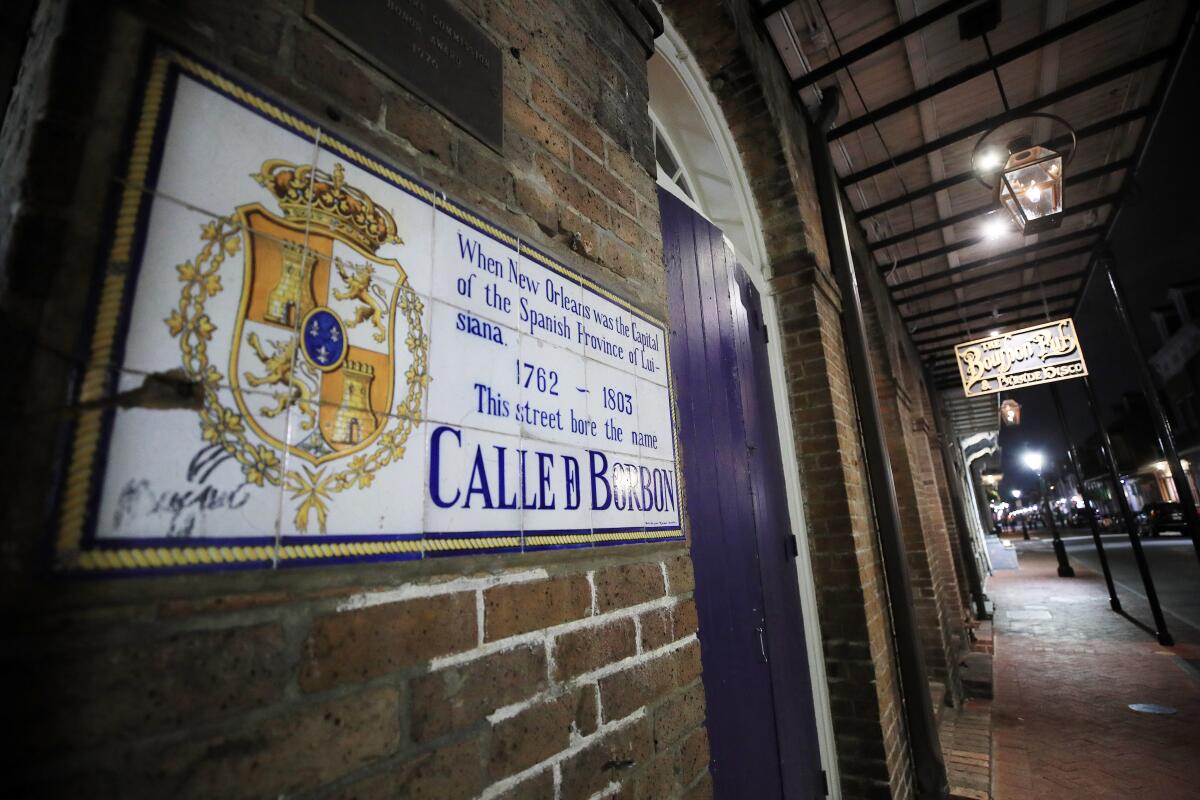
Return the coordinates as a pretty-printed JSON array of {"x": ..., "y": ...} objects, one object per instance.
[{"x": 762, "y": 730}]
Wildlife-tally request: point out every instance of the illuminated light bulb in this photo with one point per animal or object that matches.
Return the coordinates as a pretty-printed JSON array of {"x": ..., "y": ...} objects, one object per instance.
[
  {"x": 994, "y": 228},
  {"x": 1033, "y": 193},
  {"x": 988, "y": 161}
]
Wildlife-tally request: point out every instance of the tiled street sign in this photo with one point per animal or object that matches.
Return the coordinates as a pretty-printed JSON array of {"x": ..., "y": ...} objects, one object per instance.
[{"x": 381, "y": 373}]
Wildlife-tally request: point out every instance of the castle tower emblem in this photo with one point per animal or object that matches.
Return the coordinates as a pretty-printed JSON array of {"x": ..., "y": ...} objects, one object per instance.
[
  {"x": 355, "y": 420},
  {"x": 294, "y": 286}
]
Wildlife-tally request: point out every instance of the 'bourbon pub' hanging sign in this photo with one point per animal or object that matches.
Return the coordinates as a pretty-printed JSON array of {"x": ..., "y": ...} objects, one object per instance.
[{"x": 1027, "y": 357}]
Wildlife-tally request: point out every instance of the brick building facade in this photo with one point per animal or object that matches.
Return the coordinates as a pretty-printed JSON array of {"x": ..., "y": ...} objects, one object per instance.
[{"x": 561, "y": 673}]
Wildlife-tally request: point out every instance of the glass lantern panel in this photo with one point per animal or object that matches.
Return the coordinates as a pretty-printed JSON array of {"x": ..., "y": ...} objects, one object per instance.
[
  {"x": 1038, "y": 187},
  {"x": 1011, "y": 206}
]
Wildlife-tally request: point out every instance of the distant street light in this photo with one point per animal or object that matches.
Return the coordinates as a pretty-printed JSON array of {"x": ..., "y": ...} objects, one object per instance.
[
  {"x": 1034, "y": 461},
  {"x": 1016, "y": 493}
]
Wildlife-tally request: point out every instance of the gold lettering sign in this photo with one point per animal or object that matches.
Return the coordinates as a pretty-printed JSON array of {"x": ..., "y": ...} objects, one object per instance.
[{"x": 1030, "y": 356}]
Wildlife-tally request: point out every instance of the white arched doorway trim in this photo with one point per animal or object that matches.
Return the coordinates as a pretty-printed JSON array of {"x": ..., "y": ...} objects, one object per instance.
[{"x": 690, "y": 108}]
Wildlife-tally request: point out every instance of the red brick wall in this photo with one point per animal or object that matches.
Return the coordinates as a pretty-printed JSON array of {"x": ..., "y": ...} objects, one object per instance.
[
  {"x": 557, "y": 674},
  {"x": 920, "y": 487}
]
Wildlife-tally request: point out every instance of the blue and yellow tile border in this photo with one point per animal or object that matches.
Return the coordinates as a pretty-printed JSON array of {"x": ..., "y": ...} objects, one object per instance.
[{"x": 76, "y": 550}]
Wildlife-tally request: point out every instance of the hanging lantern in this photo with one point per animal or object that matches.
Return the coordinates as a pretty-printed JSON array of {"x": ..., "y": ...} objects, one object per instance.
[
  {"x": 1030, "y": 186},
  {"x": 1029, "y": 183},
  {"x": 1010, "y": 412}
]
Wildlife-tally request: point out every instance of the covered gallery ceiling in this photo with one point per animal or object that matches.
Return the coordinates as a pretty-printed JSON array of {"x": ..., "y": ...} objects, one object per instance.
[{"x": 917, "y": 96}]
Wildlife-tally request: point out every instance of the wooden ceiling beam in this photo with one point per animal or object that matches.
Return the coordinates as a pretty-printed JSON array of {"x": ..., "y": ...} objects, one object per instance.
[
  {"x": 992, "y": 296},
  {"x": 1029, "y": 318},
  {"x": 878, "y": 43},
  {"x": 965, "y": 74},
  {"x": 984, "y": 210},
  {"x": 1087, "y": 84},
  {"x": 998, "y": 312},
  {"x": 1058, "y": 141}
]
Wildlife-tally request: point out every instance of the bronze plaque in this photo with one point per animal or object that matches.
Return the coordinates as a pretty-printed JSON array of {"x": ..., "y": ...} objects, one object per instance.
[{"x": 431, "y": 49}]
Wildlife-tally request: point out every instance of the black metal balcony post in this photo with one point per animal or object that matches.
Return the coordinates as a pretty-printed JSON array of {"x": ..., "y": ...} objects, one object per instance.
[
  {"x": 1073, "y": 457},
  {"x": 1160, "y": 622},
  {"x": 1166, "y": 439}
]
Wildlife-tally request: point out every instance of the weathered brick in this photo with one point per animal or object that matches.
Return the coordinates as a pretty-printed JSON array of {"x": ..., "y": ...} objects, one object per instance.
[
  {"x": 610, "y": 758},
  {"x": 626, "y": 691},
  {"x": 587, "y": 712},
  {"x": 693, "y": 755},
  {"x": 115, "y": 694},
  {"x": 359, "y": 645},
  {"x": 484, "y": 168},
  {"x": 321, "y": 63},
  {"x": 421, "y": 126},
  {"x": 523, "y": 120},
  {"x": 655, "y": 779},
  {"x": 571, "y": 190},
  {"x": 584, "y": 650},
  {"x": 594, "y": 172},
  {"x": 629, "y": 231},
  {"x": 628, "y": 585},
  {"x": 523, "y": 607},
  {"x": 665, "y": 625},
  {"x": 703, "y": 789},
  {"x": 558, "y": 110},
  {"x": 630, "y": 171},
  {"x": 457, "y": 697},
  {"x": 677, "y": 715},
  {"x": 316, "y": 743},
  {"x": 454, "y": 770},
  {"x": 538, "y": 787},
  {"x": 539, "y": 732},
  {"x": 184, "y": 607},
  {"x": 535, "y": 200},
  {"x": 680, "y": 575}
]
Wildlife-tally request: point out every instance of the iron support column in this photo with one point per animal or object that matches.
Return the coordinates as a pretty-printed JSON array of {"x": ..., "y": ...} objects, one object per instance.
[
  {"x": 929, "y": 769},
  {"x": 1060, "y": 550},
  {"x": 1073, "y": 457},
  {"x": 1160, "y": 623},
  {"x": 1166, "y": 439}
]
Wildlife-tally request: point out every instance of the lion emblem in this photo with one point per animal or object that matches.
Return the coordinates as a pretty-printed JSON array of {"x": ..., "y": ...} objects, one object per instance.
[
  {"x": 360, "y": 288},
  {"x": 279, "y": 372}
]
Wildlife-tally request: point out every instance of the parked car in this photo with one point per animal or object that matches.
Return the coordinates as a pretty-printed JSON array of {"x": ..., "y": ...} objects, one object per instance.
[
  {"x": 1078, "y": 518},
  {"x": 1154, "y": 518}
]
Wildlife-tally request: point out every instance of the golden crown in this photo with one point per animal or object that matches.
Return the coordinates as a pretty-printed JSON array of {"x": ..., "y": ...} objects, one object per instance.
[{"x": 309, "y": 194}]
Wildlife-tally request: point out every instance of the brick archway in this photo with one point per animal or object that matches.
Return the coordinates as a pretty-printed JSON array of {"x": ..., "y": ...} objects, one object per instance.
[{"x": 752, "y": 91}]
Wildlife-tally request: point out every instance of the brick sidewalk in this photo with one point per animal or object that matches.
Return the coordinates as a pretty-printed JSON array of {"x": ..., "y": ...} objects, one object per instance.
[{"x": 1065, "y": 669}]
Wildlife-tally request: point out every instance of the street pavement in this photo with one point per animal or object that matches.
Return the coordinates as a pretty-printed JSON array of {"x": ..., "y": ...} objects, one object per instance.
[
  {"x": 1066, "y": 669},
  {"x": 1174, "y": 567}
]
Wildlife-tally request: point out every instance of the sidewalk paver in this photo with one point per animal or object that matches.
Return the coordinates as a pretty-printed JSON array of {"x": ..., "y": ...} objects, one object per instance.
[{"x": 1066, "y": 669}]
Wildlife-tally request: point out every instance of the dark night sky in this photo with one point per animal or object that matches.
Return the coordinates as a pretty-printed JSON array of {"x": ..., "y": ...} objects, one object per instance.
[{"x": 1155, "y": 244}]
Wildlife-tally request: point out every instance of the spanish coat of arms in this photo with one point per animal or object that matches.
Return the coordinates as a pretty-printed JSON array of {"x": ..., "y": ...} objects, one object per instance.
[{"x": 329, "y": 359}]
